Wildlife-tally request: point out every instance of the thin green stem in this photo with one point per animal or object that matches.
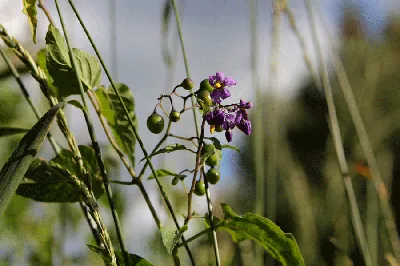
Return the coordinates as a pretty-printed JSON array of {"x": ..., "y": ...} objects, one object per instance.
[
  {"x": 28, "y": 98},
  {"x": 94, "y": 141},
  {"x": 196, "y": 170},
  {"x": 366, "y": 147},
  {"x": 148, "y": 201},
  {"x": 211, "y": 217},
  {"x": 131, "y": 124},
  {"x": 197, "y": 235},
  {"x": 337, "y": 140},
  {"x": 185, "y": 60},
  {"x": 135, "y": 180},
  {"x": 46, "y": 12},
  {"x": 92, "y": 224}
]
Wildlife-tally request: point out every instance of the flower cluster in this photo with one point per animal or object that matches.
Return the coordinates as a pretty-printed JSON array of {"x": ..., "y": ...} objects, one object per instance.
[{"x": 230, "y": 116}]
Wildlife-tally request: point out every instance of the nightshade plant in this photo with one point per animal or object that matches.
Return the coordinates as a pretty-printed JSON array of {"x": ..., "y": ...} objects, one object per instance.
[{"x": 77, "y": 173}]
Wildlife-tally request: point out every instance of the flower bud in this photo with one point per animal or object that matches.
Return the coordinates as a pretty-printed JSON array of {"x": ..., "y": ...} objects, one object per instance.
[{"x": 205, "y": 85}]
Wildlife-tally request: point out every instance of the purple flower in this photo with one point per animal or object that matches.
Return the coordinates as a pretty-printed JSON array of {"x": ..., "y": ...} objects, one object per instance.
[
  {"x": 219, "y": 82},
  {"x": 241, "y": 120},
  {"x": 245, "y": 126},
  {"x": 245, "y": 105},
  {"x": 216, "y": 117}
]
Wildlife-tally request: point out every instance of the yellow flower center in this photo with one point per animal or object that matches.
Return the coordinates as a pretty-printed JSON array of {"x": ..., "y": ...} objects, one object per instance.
[
  {"x": 218, "y": 85},
  {"x": 212, "y": 129}
]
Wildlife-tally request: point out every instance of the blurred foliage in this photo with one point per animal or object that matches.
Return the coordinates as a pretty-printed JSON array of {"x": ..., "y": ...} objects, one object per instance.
[{"x": 312, "y": 203}]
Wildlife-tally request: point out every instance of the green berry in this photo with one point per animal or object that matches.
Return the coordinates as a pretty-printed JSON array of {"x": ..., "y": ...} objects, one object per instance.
[
  {"x": 212, "y": 160},
  {"x": 155, "y": 123},
  {"x": 207, "y": 148},
  {"x": 205, "y": 97},
  {"x": 213, "y": 176},
  {"x": 187, "y": 84},
  {"x": 175, "y": 116},
  {"x": 205, "y": 85},
  {"x": 200, "y": 188}
]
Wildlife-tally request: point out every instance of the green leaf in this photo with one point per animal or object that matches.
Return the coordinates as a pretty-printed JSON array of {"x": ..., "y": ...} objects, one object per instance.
[
  {"x": 226, "y": 146},
  {"x": 170, "y": 238},
  {"x": 51, "y": 181},
  {"x": 134, "y": 260},
  {"x": 164, "y": 172},
  {"x": 52, "y": 184},
  {"x": 77, "y": 104},
  {"x": 15, "y": 168},
  {"x": 216, "y": 142},
  {"x": 41, "y": 61},
  {"x": 31, "y": 11},
  {"x": 114, "y": 113},
  {"x": 168, "y": 149},
  {"x": 65, "y": 160},
  {"x": 59, "y": 66},
  {"x": 8, "y": 131},
  {"x": 281, "y": 246}
]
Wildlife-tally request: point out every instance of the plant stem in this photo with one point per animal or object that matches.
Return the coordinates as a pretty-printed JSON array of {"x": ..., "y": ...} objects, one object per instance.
[
  {"x": 28, "y": 98},
  {"x": 135, "y": 181},
  {"x": 366, "y": 147},
  {"x": 197, "y": 236},
  {"x": 196, "y": 170},
  {"x": 109, "y": 135},
  {"x": 335, "y": 130},
  {"x": 46, "y": 12},
  {"x": 94, "y": 141},
  {"x": 165, "y": 197},
  {"x": 185, "y": 60},
  {"x": 211, "y": 217},
  {"x": 92, "y": 224}
]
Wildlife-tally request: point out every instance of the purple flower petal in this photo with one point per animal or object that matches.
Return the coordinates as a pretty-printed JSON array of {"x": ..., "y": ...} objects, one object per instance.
[
  {"x": 220, "y": 76},
  {"x": 245, "y": 127},
  {"x": 219, "y": 117},
  {"x": 228, "y": 135},
  {"x": 245, "y": 105},
  {"x": 215, "y": 96},
  {"x": 238, "y": 118},
  {"x": 229, "y": 82}
]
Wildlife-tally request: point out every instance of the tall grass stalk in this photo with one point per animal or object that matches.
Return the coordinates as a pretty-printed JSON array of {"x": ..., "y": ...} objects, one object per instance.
[
  {"x": 95, "y": 144},
  {"x": 258, "y": 137},
  {"x": 366, "y": 146},
  {"x": 338, "y": 143}
]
